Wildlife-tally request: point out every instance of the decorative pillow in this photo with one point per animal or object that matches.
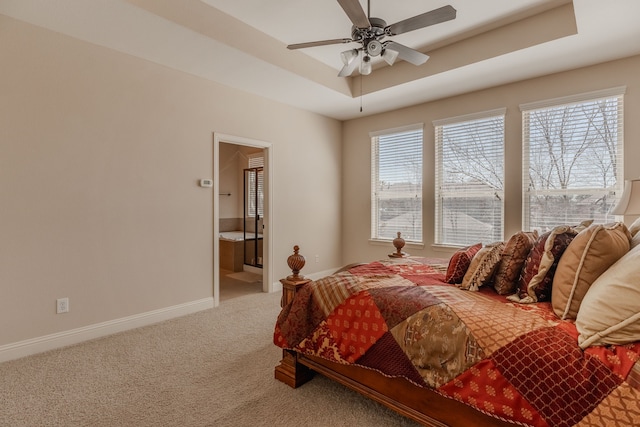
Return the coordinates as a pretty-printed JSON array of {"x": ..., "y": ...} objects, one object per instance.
[
  {"x": 610, "y": 311},
  {"x": 634, "y": 227},
  {"x": 537, "y": 273},
  {"x": 589, "y": 254},
  {"x": 482, "y": 267},
  {"x": 513, "y": 256},
  {"x": 635, "y": 241},
  {"x": 459, "y": 263}
]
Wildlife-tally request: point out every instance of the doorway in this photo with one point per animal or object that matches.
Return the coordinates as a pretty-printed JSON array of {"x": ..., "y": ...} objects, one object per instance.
[{"x": 242, "y": 205}]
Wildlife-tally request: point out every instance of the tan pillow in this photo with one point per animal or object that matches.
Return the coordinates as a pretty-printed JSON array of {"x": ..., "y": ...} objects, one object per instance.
[
  {"x": 589, "y": 254},
  {"x": 482, "y": 267},
  {"x": 610, "y": 311},
  {"x": 514, "y": 254}
]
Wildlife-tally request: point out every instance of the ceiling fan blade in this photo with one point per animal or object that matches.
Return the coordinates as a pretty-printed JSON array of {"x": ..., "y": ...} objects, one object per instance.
[
  {"x": 318, "y": 43},
  {"x": 355, "y": 12},
  {"x": 408, "y": 54},
  {"x": 436, "y": 16}
]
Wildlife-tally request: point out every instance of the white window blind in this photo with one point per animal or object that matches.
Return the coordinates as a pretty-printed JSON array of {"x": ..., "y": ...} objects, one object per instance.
[
  {"x": 255, "y": 186},
  {"x": 470, "y": 179},
  {"x": 396, "y": 184},
  {"x": 572, "y": 159}
]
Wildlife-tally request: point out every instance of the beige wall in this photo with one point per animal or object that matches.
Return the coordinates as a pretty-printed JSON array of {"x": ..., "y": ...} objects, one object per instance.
[
  {"x": 356, "y": 146},
  {"x": 233, "y": 160},
  {"x": 100, "y": 157}
]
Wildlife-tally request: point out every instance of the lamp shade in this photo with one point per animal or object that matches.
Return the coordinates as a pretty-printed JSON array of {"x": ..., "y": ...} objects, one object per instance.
[
  {"x": 629, "y": 203},
  {"x": 390, "y": 56},
  {"x": 365, "y": 65}
]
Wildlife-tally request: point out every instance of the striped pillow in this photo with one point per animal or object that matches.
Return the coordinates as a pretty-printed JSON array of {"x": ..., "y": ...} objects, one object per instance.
[{"x": 482, "y": 267}]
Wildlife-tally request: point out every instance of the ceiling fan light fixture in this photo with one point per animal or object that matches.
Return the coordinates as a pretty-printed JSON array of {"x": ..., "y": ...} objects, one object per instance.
[
  {"x": 374, "y": 48},
  {"x": 350, "y": 59},
  {"x": 390, "y": 56},
  {"x": 348, "y": 55},
  {"x": 365, "y": 65},
  {"x": 370, "y": 32}
]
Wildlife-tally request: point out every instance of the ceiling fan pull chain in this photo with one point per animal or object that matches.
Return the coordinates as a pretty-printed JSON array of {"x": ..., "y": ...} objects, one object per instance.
[{"x": 361, "y": 93}]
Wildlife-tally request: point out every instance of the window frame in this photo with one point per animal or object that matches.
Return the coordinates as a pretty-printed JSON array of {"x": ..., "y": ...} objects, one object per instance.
[
  {"x": 255, "y": 161},
  {"x": 567, "y": 101},
  {"x": 374, "y": 225},
  {"x": 439, "y": 170}
]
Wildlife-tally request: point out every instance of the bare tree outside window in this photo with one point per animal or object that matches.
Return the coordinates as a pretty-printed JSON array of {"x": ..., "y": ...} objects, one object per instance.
[
  {"x": 572, "y": 163},
  {"x": 470, "y": 179}
]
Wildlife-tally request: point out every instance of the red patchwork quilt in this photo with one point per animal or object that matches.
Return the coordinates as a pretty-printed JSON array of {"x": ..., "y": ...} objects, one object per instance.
[{"x": 516, "y": 362}]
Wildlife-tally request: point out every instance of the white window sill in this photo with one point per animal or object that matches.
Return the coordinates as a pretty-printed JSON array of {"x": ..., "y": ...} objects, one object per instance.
[{"x": 389, "y": 243}]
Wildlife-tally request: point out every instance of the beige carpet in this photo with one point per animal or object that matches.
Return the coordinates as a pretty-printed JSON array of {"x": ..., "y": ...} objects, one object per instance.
[
  {"x": 213, "y": 368},
  {"x": 245, "y": 276}
]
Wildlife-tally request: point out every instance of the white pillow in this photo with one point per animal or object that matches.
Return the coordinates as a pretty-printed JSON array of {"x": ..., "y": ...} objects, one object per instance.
[
  {"x": 610, "y": 310},
  {"x": 634, "y": 229}
]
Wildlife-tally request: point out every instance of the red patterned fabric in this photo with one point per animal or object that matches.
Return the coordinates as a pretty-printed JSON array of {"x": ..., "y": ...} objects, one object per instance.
[
  {"x": 356, "y": 325},
  {"x": 419, "y": 274},
  {"x": 515, "y": 362},
  {"x": 460, "y": 262},
  {"x": 574, "y": 383}
]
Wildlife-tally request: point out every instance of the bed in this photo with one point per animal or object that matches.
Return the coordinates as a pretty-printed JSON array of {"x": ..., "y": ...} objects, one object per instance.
[{"x": 462, "y": 353}]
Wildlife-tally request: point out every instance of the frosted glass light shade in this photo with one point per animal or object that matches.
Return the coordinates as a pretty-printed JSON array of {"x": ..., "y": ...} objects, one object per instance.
[
  {"x": 365, "y": 65},
  {"x": 629, "y": 203},
  {"x": 390, "y": 56},
  {"x": 348, "y": 55}
]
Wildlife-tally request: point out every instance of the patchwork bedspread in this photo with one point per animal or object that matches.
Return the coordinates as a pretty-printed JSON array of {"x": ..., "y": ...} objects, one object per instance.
[{"x": 515, "y": 362}]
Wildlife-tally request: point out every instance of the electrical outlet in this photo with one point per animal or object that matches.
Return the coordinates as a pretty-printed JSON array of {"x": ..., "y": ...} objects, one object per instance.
[
  {"x": 317, "y": 258},
  {"x": 62, "y": 305}
]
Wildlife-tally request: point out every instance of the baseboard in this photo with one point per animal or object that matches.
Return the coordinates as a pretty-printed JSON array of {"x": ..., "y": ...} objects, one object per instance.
[
  {"x": 74, "y": 336},
  {"x": 321, "y": 274}
]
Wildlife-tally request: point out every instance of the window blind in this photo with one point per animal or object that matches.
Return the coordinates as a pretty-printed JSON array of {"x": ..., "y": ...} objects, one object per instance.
[
  {"x": 572, "y": 160},
  {"x": 255, "y": 184},
  {"x": 396, "y": 184},
  {"x": 470, "y": 179}
]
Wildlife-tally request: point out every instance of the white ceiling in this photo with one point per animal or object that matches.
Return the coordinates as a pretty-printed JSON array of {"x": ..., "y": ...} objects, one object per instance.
[{"x": 242, "y": 43}]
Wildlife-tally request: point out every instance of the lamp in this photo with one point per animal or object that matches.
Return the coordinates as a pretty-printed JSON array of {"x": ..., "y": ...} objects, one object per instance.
[{"x": 629, "y": 203}]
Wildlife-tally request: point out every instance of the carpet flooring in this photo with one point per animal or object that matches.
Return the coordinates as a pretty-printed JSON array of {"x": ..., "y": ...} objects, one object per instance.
[{"x": 212, "y": 368}]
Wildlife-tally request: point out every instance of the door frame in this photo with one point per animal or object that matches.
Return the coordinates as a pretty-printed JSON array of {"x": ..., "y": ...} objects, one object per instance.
[{"x": 267, "y": 221}]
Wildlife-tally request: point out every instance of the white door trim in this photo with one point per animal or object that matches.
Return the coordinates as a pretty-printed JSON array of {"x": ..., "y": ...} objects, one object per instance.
[{"x": 267, "y": 264}]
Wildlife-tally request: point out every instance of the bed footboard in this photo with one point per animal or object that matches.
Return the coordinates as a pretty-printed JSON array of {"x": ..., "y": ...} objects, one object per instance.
[{"x": 289, "y": 370}]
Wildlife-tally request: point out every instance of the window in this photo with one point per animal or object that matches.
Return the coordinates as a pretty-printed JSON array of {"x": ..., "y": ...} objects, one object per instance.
[
  {"x": 396, "y": 184},
  {"x": 255, "y": 185},
  {"x": 469, "y": 178},
  {"x": 572, "y": 159}
]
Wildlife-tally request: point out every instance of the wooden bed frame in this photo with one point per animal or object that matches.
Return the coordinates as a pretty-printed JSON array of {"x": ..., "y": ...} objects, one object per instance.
[{"x": 422, "y": 405}]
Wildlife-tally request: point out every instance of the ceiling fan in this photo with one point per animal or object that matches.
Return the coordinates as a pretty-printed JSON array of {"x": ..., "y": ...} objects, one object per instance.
[{"x": 370, "y": 33}]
